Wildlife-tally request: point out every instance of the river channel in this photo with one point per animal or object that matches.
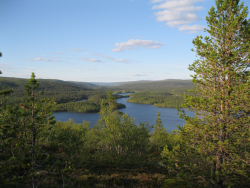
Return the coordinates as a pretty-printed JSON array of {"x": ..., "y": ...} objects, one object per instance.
[{"x": 141, "y": 112}]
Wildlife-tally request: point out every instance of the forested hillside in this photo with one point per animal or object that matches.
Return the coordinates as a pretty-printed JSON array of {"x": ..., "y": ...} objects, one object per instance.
[
  {"x": 58, "y": 90},
  {"x": 63, "y": 93},
  {"x": 165, "y": 93}
]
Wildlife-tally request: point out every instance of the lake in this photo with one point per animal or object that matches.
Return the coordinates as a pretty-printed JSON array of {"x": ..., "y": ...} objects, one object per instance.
[{"x": 141, "y": 112}]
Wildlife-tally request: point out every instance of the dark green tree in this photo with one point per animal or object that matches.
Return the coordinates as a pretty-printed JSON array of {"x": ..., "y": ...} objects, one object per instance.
[
  {"x": 25, "y": 130},
  {"x": 214, "y": 149},
  {"x": 38, "y": 120}
]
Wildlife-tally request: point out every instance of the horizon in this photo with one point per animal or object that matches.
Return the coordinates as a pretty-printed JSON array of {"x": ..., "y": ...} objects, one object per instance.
[
  {"x": 101, "y": 41},
  {"x": 97, "y": 82}
]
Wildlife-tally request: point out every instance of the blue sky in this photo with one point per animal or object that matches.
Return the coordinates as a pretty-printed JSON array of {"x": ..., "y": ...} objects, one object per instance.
[{"x": 100, "y": 41}]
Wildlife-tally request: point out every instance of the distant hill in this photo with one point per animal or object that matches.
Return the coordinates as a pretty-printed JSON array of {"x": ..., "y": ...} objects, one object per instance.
[
  {"x": 15, "y": 82},
  {"x": 60, "y": 91},
  {"x": 82, "y": 84},
  {"x": 154, "y": 85}
]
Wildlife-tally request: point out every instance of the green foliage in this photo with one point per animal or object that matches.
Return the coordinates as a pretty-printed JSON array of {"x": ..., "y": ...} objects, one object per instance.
[
  {"x": 159, "y": 136},
  {"x": 213, "y": 148},
  {"x": 23, "y": 132},
  {"x": 158, "y": 98},
  {"x": 122, "y": 140},
  {"x": 83, "y": 106}
]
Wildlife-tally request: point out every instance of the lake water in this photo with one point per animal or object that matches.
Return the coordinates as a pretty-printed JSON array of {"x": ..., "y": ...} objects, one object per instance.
[{"x": 141, "y": 112}]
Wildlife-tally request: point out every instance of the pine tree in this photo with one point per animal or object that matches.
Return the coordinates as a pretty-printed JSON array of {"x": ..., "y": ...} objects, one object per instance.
[
  {"x": 39, "y": 120},
  {"x": 23, "y": 136},
  {"x": 214, "y": 149}
]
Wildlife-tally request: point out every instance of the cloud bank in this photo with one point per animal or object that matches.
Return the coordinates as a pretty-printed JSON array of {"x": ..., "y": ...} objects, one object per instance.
[
  {"x": 179, "y": 13},
  {"x": 136, "y": 44}
]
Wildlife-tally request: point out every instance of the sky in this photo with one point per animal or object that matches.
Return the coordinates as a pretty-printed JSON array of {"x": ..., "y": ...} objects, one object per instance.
[{"x": 101, "y": 40}]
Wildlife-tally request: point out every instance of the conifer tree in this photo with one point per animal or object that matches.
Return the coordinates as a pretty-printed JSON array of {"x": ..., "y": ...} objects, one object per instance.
[
  {"x": 39, "y": 120},
  {"x": 214, "y": 149},
  {"x": 23, "y": 136}
]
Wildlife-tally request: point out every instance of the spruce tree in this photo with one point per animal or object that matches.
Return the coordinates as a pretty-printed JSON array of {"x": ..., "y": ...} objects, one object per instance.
[{"x": 214, "y": 149}]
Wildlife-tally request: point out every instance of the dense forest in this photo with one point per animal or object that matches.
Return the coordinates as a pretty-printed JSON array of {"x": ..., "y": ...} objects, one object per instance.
[
  {"x": 165, "y": 93},
  {"x": 65, "y": 94},
  {"x": 158, "y": 99},
  {"x": 57, "y": 90},
  {"x": 212, "y": 150}
]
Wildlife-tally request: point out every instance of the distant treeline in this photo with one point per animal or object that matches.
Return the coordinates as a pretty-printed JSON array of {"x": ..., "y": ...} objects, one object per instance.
[
  {"x": 170, "y": 85},
  {"x": 83, "y": 106},
  {"x": 158, "y": 99}
]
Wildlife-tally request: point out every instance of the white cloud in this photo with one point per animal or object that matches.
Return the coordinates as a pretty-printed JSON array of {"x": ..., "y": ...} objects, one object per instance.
[
  {"x": 176, "y": 13},
  {"x": 179, "y": 5},
  {"x": 77, "y": 50},
  {"x": 113, "y": 59},
  {"x": 192, "y": 29},
  {"x": 175, "y": 18},
  {"x": 90, "y": 60},
  {"x": 136, "y": 44}
]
